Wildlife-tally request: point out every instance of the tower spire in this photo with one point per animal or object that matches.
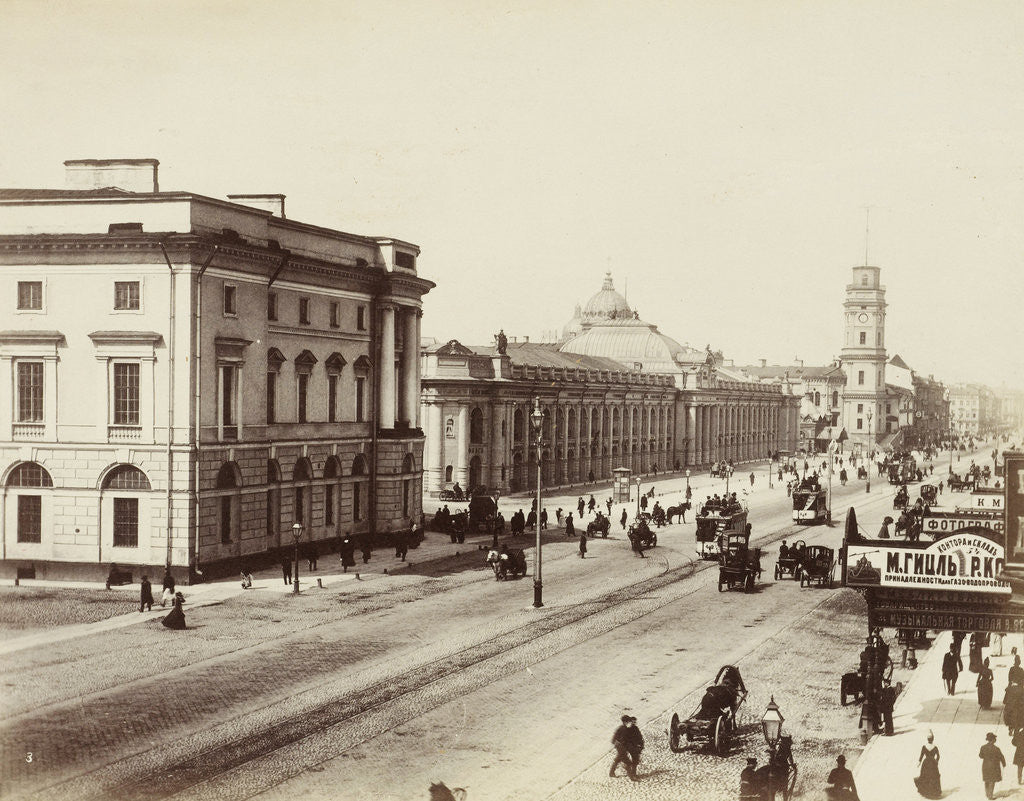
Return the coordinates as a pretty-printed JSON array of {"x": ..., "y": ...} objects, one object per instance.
[{"x": 867, "y": 232}]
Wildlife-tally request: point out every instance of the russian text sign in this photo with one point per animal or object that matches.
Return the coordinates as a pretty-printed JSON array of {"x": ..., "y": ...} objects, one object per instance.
[{"x": 1014, "y": 507}]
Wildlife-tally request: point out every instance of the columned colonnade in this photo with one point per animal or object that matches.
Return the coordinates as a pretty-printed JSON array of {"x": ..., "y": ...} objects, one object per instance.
[{"x": 398, "y": 386}]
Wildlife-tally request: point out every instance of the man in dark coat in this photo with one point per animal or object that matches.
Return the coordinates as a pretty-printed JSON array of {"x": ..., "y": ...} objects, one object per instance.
[
  {"x": 628, "y": 742},
  {"x": 312, "y": 555},
  {"x": 951, "y": 667},
  {"x": 580, "y": 507},
  {"x": 623, "y": 519},
  {"x": 402, "y": 544},
  {"x": 145, "y": 595},
  {"x": 992, "y": 764},
  {"x": 286, "y": 567},
  {"x": 348, "y": 554}
]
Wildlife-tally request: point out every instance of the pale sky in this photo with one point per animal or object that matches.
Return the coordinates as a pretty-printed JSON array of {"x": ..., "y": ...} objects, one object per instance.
[{"x": 718, "y": 155}]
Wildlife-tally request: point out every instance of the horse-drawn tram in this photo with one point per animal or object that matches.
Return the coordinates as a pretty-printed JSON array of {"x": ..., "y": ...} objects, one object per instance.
[
  {"x": 716, "y": 521},
  {"x": 902, "y": 468},
  {"x": 715, "y": 719},
  {"x": 809, "y": 501}
]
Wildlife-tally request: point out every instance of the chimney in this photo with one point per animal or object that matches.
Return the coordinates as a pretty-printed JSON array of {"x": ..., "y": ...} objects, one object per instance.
[
  {"x": 764, "y": 362},
  {"x": 272, "y": 203},
  {"x": 131, "y": 175},
  {"x": 800, "y": 362}
]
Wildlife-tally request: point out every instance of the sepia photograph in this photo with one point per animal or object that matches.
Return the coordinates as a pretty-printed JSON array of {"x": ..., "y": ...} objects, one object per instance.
[{"x": 540, "y": 400}]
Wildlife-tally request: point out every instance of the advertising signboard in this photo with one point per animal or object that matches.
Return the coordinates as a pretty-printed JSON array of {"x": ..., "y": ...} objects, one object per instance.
[
  {"x": 1014, "y": 507},
  {"x": 938, "y": 524},
  {"x": 965, "y": 561}
]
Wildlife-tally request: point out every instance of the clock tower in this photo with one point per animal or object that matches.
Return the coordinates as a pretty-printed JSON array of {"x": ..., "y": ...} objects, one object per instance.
[{"x": 863, "y": 356}]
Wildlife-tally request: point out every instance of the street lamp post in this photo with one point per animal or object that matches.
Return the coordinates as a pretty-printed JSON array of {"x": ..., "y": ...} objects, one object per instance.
[
  {"x": 870, "y": 460},
  {"x": 831, "y": 459},
  {"x": 537, "y": 419},
  {"x": 296, "y": 535},
  {"x": 771, "y": 727},
  {"x": 770, "y": 468},
  {"x": 687, "y": 478},
  {"x": 637, "y": 480},
  {"x": 728, "y": 473}
]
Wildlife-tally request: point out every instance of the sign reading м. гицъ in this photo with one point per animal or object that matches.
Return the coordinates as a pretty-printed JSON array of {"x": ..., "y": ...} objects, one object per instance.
[{"x": 964, "y": 562}]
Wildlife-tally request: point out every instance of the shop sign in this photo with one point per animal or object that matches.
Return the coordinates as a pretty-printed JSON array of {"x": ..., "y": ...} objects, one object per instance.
[
  {"x": 988, "y": 501},
  {"x": 1014, "y": 469},
  {"x": 939, "y": 523},
  {"x": 967, "y": 561},
  {"x": 952, "y": 620}
]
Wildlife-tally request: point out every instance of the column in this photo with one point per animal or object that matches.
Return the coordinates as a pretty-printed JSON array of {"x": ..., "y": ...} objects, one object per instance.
[
  {"x": 497, "y": 446},
  {"x": 716, "y": 413},
  {"x": 462, "y": 444},
  {"x": 690, "y": 438},
  {"x": 386, "y": 369},
  {"x": 433, "y": 470},
  {"x": 410, "y": 365},
  {"x": 586, "y": 437},
  {"x": 698, "y": 436}
]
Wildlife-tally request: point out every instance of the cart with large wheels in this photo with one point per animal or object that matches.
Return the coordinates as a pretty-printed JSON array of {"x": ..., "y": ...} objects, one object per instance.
[
  {"x": 818, "y": 566},
  {"x": 789, "y": 565},
  {"x": 739, "y": 565},
  {"x": 714, "y": 720}
]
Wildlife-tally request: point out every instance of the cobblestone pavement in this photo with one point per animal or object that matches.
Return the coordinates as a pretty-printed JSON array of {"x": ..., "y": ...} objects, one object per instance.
[{"x": 323, "y": 690}]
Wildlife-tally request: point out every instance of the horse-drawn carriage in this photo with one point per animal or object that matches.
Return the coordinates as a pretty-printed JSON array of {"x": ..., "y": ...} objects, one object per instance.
[
  {"x": 714, "y": 720},
  {"x": 817, "y": 566},
  {"x": 600, "y": 525},
  {"x": 901, "y": 498},
  {"x": 929, "y": 493},
  {"x": 640, "y": 534},
  {"x": 965, "y": 484},
  {"x": 902, "y": 468},
  {"x": 714, "y": 524},
  {"x": 507, "y": 563},
  {"x": 788, "y": 563},
  {"x": 810, "y": 503},
  {"x": 739, "y": 564}
]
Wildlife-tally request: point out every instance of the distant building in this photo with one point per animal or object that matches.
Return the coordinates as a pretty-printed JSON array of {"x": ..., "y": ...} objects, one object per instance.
[
  {"x": 188, "y": 377},
  {"x": 864, "y": 360}
]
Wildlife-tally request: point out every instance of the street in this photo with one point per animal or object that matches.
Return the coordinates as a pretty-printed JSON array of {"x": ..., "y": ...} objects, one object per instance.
[{"x": 378, "y": 688}]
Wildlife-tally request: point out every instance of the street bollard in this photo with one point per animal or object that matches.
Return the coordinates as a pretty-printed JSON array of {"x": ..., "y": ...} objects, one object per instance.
[{"x": 320, "y": 583}]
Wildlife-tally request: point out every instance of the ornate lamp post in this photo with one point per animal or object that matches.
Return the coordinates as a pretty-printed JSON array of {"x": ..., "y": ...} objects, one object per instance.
[
  {"x": 728, "y": 473},
  {"x": 537, "y": 420},
  {"x": 831, "y": 458},
  {"x": 296, "y": 536},
  {"x": 637, "y": 480},
  {"x": 771, "y": 727},
  {"x": 687, "y": 478},
  {"x": 868, "y": 488}
]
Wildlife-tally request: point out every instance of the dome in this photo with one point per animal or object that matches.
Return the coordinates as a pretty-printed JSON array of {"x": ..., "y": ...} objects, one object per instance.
[
  {"x": 606, "y": 304},
  {"x": 630, "y": 342}
]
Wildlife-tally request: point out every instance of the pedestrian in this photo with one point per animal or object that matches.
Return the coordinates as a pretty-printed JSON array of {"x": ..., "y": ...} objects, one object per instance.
[
  {"x": 580, "y": 506},
  {"x": 558, "y": 516},
  {"x": 940, "y": 486},
  {"x": 749, "y": 784},
  {"x": 623, "y": 519},
  {"x": 985, "y": 685},
  {"x": 348, "y": 554},
  {"x": 608, "y": 503},
  {"x": 689, "y": 492},
  {"x": 840, "y": 782},
  {"x": 886, "y": 702},
  {"x": 583, "y": 545},
  {"x": 590, "y": 476},
  {"x": 751, "y": 479},
  {"x": 1013, "y": 707},
  {"x": 992, "y": 764},
  {"x": 1016, "y": 674},
  {"x": 591, "y": 504},
  {"x": 366, "y": 548},
  {"x": 628, "y": 742},
  {"x": 145, "y": 595},
  {"x": 1018, "y": 755},
  {"x": 168, "y": 587},
  {"x": 570, "y": 529},
  {"x": 951, "y": 667},
  {"x": 286, "y": 567},
  {"x": 543, "y": 519},
  {"x": 246, "y": 579},
  {"x": 176, "y": 617},
  {"x": 643, "y": 502},
  {"x": 312, "y": 555},
  {"x": 780, "y": 475},
  {"x": 402, "y": 545},
  {"x": 928, "y": 781}
]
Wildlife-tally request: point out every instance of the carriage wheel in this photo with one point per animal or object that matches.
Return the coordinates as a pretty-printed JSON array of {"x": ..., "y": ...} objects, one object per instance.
[
  {"x": 673, "y": 735},
  {"x": 720, "y": 736},
  {"x": 778, "y": 573}
]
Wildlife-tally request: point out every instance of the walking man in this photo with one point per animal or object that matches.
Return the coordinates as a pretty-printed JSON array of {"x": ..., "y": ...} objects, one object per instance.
[
  {"x": 145, "y": 595},
  {"x": 583, "y": 545},
  {"x": 951, "y": 667},
  {"x": 623, "y": 519},
  {"x": 751, "y": 479},
  {"x": 992, "y": 764},
  {"x": 286, "y": 567},
  {"x": 628, "y": 742}
]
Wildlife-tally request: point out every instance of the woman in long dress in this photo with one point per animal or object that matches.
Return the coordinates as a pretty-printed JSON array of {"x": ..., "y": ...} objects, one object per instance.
[
  {"x": 176, "y": 618},
  {"x": 985, "y": 685},
  {"x": 928, "y": 782}
]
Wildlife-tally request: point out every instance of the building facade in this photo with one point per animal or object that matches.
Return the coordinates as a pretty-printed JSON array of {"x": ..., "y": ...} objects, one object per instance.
[{"x": 188, "y": 378}]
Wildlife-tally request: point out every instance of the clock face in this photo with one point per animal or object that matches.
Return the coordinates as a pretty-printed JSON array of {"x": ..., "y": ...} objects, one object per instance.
[{"x": 862, "y": 317}]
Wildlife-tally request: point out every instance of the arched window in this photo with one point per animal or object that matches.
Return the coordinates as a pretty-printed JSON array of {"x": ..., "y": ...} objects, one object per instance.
[
  {"x": 817, "y": 398},
  {"x": 303, "y": 471},
  {"x": 331, "y": 472},
  {"x": 126, "y": 477},
  {"x": 476, "y": 426},
  {"x": 29, "y": 475},
  {"x": 409, "y": 463},
  {"x": 518, "y": 425},
  {"x": 835, "y": 398},
  {"x": 448, "y": 474},
  {"x": 228, "y": 478}
]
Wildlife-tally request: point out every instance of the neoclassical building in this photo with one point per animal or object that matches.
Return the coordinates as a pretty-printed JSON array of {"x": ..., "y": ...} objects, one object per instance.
[
  {"x": 616, "y": 392},
  {"x": 186, "y": 378}
]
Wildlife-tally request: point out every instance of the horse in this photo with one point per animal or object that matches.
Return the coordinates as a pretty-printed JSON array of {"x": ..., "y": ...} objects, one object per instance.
[
  {"x": 494, "y": 560},
  {"x": 600, "y": 525},
  {"x": 679, "y": 510}
]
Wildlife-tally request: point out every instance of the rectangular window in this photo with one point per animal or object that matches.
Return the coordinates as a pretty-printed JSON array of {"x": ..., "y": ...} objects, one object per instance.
[
  {"x": 860, "y": 424},
  {"x": 860, "y": 377},
  {"x": 229, "y": 299},
  {"x": 271, "y": 305},
  {"x": 406, "y": 495},
  {"x": 227, "y": 401},
  {"x": 329, "y": 506},
  {"x": 126, "y": 296},
  {"x": 332, "y": 398},
  {"x": 30, "y": 518},
  {"x": 335, "y": 314},
  {"x": 271, "y": 397},
  {"x": 300, "y": 504},
  {"x": 406, "y": 260},
  {"x": 303, "y": 390},
  {"x": 361, "y": 318},
  {"x": 30, "y": 392},
  {"x": 30, "y": 295},
  {"x": 273, "y": 501},
  {"x": 860, "y": 408},
  {"x": 863, "y": 337},
  {"x": 126, "y": 522},
  {"x": 304, "y": 311},
  {"x": 360, "y": 396},
  {"x": 357, "y": 512},
  {"x": 225, "y": 519},
  {"x": 126, "y": 394}
]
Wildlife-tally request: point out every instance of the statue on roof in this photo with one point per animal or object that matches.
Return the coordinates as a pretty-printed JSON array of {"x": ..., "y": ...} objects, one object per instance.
[
  {"x": 502, "y": 341},
  {"x": 636, "y": 314}
]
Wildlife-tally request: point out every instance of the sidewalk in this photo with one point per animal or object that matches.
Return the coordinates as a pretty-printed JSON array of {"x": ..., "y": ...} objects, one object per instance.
[{"x": 887, "y": 766}]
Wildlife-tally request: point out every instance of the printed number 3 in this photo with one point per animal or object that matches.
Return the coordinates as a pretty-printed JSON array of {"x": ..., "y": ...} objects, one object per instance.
[{"x": 28, "y": 757}]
